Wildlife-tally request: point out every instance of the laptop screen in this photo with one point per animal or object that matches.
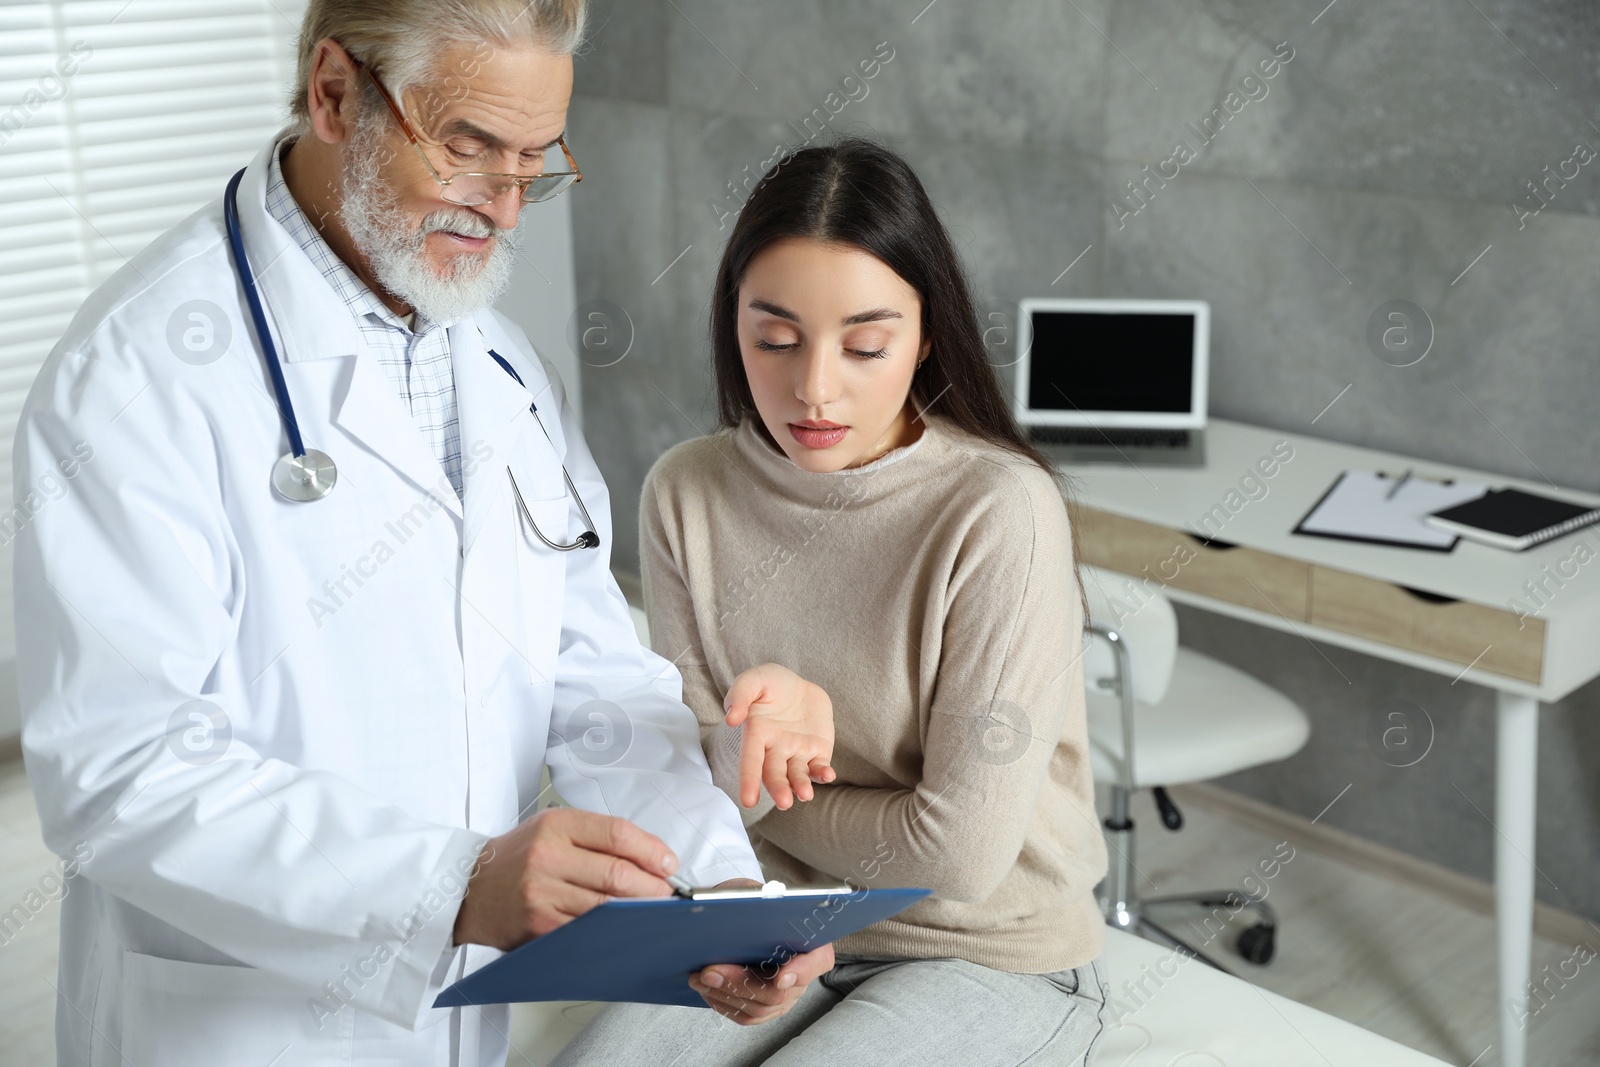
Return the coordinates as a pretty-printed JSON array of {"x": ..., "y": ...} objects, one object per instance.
[{"x": 1111, "y": 362}]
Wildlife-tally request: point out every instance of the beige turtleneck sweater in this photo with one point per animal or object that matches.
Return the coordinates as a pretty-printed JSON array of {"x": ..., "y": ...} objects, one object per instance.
[{"x": 931, "y": 594}]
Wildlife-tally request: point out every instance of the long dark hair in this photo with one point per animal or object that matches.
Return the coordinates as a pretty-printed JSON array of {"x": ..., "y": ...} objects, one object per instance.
[{"x": 858, "y": 192}]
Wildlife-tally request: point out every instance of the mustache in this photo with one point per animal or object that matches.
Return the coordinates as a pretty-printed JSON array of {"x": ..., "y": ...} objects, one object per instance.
[{"x": 466, "y": 223}]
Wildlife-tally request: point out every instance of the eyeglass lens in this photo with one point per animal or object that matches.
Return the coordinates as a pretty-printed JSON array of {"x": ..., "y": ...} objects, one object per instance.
[{"x": 471, "y": 190}]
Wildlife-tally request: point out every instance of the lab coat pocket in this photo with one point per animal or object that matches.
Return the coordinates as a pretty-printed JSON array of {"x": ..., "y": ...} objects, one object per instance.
[
  {"x": 177, "y": 1013},
  {"x": 541, "y": 576}
]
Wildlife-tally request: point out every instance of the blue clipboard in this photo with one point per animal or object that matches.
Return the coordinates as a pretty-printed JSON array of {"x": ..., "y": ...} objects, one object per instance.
[{"x": 643, "y": 951}]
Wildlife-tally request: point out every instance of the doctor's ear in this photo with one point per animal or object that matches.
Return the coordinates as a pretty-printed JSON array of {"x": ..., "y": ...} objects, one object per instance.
[{"x": 333, "y": 92}]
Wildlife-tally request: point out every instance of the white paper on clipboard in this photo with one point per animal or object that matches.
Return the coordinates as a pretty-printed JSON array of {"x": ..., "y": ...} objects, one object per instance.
[{"x": 1358, "y": 507}]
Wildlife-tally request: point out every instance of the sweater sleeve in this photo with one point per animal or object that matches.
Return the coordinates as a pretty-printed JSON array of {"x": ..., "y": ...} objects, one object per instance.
[
  {"x": 1009, "y": 667},
  {"x": 675, "y": 634}
]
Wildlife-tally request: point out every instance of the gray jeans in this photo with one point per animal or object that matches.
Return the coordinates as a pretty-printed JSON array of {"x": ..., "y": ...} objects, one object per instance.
[{"x": 872, "y": 1013}]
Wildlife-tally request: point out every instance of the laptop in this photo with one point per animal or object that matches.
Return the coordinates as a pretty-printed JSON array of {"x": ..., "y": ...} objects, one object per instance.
[{"x": 1114, "y": 381}]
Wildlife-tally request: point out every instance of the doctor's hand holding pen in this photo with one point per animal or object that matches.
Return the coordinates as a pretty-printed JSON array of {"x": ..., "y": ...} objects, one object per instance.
[
  {"x": 554, "y": 867},
  {"x": 788, "y": 734},
  {"x": 564, "y": 861}
]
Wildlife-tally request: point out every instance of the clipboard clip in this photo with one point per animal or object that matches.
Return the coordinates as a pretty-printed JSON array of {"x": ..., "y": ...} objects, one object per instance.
[{"x": 770, "y": 891}]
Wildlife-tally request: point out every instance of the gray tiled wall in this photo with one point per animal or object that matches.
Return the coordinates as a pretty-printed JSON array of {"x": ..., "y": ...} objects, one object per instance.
[{"x": 1377, "y": 163}]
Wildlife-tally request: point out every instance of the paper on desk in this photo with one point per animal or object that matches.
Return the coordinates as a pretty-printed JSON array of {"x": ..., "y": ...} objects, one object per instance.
[{"x": 1357, "y": 508}]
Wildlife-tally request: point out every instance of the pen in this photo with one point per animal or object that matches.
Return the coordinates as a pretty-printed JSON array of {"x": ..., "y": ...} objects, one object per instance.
[
  {"x": 1395, "y": 488},
  {"x": 680, "y": 887}
]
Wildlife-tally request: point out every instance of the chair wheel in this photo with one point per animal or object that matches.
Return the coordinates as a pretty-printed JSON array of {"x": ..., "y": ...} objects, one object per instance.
[
  {"x": 1257, "y": 943},
  {"x": 1171, "y": 817}
]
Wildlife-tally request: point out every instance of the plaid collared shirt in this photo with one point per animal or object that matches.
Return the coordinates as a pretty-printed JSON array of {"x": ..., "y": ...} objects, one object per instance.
[{"x": 417, "y": 363}]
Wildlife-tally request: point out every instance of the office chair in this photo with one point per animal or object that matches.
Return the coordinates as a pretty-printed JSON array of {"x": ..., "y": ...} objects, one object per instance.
[{"x": 1162, "y": 715}]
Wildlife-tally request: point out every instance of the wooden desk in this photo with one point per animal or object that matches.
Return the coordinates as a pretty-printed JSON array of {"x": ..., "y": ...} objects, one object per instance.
[{"x": 1466, "y": 614}]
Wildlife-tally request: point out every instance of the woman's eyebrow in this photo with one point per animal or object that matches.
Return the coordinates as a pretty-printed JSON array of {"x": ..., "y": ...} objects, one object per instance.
[
  {"x": 773, "y": 309},
  {"x": 870, "y": 315}
]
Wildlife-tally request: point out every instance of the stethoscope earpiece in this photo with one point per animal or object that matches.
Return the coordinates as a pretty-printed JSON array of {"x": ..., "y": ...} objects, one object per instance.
[{"x": 587, "y": 539}]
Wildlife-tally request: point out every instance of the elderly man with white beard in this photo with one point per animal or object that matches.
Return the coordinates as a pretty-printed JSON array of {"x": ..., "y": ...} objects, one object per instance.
[{"x": 292, "y": 738}]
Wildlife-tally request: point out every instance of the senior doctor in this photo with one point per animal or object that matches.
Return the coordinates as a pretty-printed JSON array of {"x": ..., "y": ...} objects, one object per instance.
[{"x": 289, "y": 720}]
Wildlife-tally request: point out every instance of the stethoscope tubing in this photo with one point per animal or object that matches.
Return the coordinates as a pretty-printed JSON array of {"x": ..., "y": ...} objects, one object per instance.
[{"x": 258, "y": 315}]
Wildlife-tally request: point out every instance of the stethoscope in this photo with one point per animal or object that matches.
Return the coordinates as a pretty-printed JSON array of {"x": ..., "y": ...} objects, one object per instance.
[
  {"x": 304, "y": 474},
  {"x": 587, "y": 539}
]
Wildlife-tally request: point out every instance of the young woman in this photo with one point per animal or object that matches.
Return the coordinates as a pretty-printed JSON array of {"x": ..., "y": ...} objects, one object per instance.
[{"x": 871, "y": 519}]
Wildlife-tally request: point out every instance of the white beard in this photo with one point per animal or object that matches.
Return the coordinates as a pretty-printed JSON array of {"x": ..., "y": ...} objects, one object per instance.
[{"x": 380, "y": 230}]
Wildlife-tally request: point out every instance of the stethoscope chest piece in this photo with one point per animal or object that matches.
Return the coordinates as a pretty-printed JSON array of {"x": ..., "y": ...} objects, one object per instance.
[
  {"x": 304, "y": 478},
  {"x": 303, "y": 474}
]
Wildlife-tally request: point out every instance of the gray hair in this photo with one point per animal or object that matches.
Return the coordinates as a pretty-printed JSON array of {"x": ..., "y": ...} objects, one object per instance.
[{"x": 403, "y": 40}]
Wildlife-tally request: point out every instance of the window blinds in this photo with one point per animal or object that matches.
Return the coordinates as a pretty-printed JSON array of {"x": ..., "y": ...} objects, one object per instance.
[{"x": 118, "y": 118}]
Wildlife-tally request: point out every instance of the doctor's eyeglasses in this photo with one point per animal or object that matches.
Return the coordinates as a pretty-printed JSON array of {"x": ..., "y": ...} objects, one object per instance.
[{"x": 475, "y": 188}]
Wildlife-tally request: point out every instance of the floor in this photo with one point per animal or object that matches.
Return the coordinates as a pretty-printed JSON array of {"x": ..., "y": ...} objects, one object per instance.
[{"x": 1412, "y": 967}]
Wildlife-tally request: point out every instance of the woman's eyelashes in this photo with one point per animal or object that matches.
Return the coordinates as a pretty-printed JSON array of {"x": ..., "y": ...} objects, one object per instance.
[{"x": 763, "y": 345}]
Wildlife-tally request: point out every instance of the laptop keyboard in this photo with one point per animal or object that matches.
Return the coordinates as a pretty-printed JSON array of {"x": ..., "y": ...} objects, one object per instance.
[{"x": 1121, "y": 437}]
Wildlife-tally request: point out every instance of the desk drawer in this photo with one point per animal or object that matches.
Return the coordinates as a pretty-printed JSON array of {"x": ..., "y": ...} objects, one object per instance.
[
  {"x": 1455, "y": 630},
  {"x": 1238, "y": 575}
]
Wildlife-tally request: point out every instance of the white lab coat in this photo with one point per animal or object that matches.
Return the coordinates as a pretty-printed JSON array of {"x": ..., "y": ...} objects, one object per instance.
[{"x": 388, "y": 671}]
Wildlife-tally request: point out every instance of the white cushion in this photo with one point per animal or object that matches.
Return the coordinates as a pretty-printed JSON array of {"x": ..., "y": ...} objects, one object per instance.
[
  {"x": 1162, "y": 1009},
  {"x": 540, "y": 1031},
  {"x": 1214, "y": 721},
  {"x": 1166, "y": 1009}
]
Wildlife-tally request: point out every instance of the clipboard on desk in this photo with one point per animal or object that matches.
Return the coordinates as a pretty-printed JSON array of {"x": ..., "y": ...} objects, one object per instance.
[
  {"x": 1380, "y": 508},
  {"x": 642, "y": 951}
]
